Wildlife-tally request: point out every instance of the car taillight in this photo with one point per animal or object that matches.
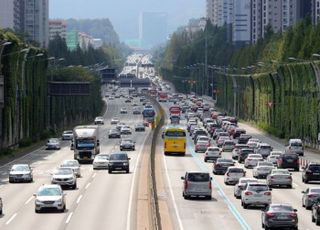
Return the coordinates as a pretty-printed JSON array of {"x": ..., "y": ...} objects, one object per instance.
[
  {"x": 308, "y": 172},
  {"x": 312, "y": 196},
  {"x": 271, "y": 177},
  {"x": 270, "y": 214},
  {"x": 267, "y": 193},
  {"x": 293, "y": 215},
  {"x": 289, "y": 177},
  {"x": 210, "y": 185},
  {"x": 165, "y": 145},
  {"x": 186, "y": 185},
  {"x": 228, "y": 174},
  {"x": 248, "y": 193}
]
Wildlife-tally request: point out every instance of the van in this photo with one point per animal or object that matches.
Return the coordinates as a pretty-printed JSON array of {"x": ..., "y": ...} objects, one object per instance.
[
  {"x": 197, "y": 184},
  {"x": 295, "y": 146}
]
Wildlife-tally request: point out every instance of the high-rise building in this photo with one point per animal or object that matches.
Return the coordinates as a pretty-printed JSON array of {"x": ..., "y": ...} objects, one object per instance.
[
  {"x": 36, "y": 21},
  {"x": 57, "y": 28},
  {"x": 153, "y": 28},
  {"x": 11, "y": 14},
  {"x": 315, "y": 11},
  {"x": 256, "y": 20},
  {"x": 241, "y": 28}
]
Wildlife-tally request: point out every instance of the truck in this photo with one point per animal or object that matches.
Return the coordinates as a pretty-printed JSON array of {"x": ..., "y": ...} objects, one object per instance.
[
  {"x": 162, "y": 96},
  {"x": 86, "y": 143},
  {"x": 148, "y": 114}
]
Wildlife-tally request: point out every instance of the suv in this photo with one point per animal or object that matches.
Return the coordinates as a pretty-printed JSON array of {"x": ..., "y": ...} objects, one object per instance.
[
  {"x": 50, "y": 196},
  {"x": 243, "y": 154},
  {"x": 244, "y": 138},
  {"x": 288, "y": 160},
  {"x": 264, "y": 149},
  {"x": 118, "y": 162},
  {"x": 199, "y": 132},
  {"x": 295, "y": 146},
  {"x": 311, "y": 172},
  {"x": 197, "y": 184},
  {"x": 255, "y": 194}
]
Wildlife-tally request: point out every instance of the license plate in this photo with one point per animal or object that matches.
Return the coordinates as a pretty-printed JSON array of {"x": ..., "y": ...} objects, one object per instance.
[
  {"x": 290, "y": 161},
  {"x": 258, "y": 195},
  {"x": 86, "y": 158},
  {"x": 119, "y": 168},
  {"x": 282, "y": 217}
]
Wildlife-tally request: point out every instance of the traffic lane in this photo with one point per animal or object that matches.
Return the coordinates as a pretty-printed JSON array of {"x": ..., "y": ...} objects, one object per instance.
[
  {"x": 196, "y": 213},
  {"x": 107, "y": 200},
  {"x": 279, "y": 195}
]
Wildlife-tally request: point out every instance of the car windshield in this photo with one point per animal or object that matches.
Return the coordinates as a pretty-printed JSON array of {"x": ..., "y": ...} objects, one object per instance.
[
  {"x": 314, "y": 167},
  {"x": 20, "y": 168},
  {"x": 67, "y": 132},
  {"x": 245, "y": 181},
  {"x": 49, "y": 192},
  {"x": 258, "y": 187},
  {"x": 118, "y": 157},
  {"x": 175, "y": 134},
  {"x": 281, "y": 208},
  {"x": 53, "y": 141},
  {"x": 315, "y": 190},
  {"x": 63, "y": 171},
  {"x": 198, "y": 177}
]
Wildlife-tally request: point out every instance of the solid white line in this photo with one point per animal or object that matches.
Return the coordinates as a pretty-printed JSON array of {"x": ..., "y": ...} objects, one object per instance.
[
  {"x": 27, "y": 202},
  {"x": 79, "y": 198},
  {"x": 133, "y": 183},
  {"x": 69, "y": 218},
  {"x": 94, "y": 175},
  {"x": 87, "y": 186},
  {"x": 11, "y": 219},
  {"x": 172, "y": 195},
  {"x": 295, "y": 185}
]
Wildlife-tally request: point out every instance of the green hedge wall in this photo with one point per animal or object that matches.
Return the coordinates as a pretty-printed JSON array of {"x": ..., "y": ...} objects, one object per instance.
[{"x": 284, "y": 103}]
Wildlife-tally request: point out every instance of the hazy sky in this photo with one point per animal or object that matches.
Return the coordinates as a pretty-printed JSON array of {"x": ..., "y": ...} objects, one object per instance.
[{"x": 124, "y": 14}]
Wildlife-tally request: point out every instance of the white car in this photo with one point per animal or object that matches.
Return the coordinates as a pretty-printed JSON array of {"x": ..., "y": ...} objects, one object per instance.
[
  {"x": 252, "y": 160},
  {"x": 114, "y": 121},
  {"x": 273, "y": 157},
  {"x": 50, "y": 196},
  {"x": 74, "y": 165},
  {"x": 202, "y": 146},
  {"x": 279, "y": 177},
  {"x": 101, "y": 161},
  {"x": 125, "y": 130},
  {"x": 67, "y": 135},
  {"x": 212, "y": 154},
  {"x": 123, "y": 110},
  {"x": 256, "y": 194},
  {"x": 64, "y": 177},
  {"x": 262, "y": 171},
  {"x": 228, "y": 145},
  {"x": 233, "y": 175},
  {"x": 238, "y": 188},
  {"x": 99, "y": 121}
]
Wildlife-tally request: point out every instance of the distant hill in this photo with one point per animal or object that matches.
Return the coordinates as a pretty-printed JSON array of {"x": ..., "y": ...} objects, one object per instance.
[{"x": 98, "y": 28}]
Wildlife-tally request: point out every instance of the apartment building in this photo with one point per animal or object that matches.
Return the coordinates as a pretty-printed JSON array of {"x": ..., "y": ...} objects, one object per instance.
[
  {"x": 315, "y": 11},
  {"x": 212, "y": 11},
  {"x": 11, "y": 14},
  {"x": 57, "y": 27},
  {"x": 241, "y": 27}
]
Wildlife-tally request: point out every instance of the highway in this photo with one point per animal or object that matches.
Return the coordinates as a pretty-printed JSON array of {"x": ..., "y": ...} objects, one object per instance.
[
  {"x": 101, "y": 199},
  {"x": 224, "y": 210}
]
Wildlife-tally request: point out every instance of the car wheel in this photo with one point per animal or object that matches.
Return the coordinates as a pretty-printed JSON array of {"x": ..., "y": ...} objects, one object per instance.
[
  {"x": 317, "y": 222},
  {"x": 36, "y": 211},
  {"x": 296, "y": 169},
  {"x": 1, "y": 212},
  {"x": 74, "y": 186},
  {"x": 10, "y": 180},
  {"x": 312, "y": 218},
  {"x": 186, "y": 197},
  {"x": 109, "y": 171},
  {"x": 306, "y": 181},
  {"x": 127, "y": 171},
  {"x": 245, "y": 206},
  {"x": 209, "y": 197},
  {"x": 205, "y": 160},
  {"x": 290, "y": 186}
]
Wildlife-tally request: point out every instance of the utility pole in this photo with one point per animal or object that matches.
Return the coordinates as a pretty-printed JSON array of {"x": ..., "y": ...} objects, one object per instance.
[{"x": 206, "y": 60}]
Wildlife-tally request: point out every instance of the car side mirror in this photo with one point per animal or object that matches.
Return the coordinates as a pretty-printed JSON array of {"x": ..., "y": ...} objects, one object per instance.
[
  {"x": 295, "y": 210},
  {"x": 303, "y": 192},
  {"x": 129, "y": 158},
  {"x": 270, "y": 189},
  {"x": 303, "y": 167},
  {"x": 182, "y": 178},
  {"x": 34, "y": 194}
]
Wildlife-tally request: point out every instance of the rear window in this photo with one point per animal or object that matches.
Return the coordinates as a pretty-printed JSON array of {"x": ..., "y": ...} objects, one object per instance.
[
  {"x": 258, "y": 187},
  {"x": 296, "y": 144},
  {"x": 118, "y": 157},
  {"x": 290, "y": 156},
  {"x": 265, "y": 147},
  {"x": 314, "y": 167},
  {"x": 175, "y": 134},
  {"x": 279, "y": 208},
  {"x": 198, "y": 177},
  {"x": 236, "y": 170}
]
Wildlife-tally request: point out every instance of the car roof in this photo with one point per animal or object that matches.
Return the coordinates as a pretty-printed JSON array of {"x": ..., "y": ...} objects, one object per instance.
[
  {"x": 295, "y": 140},
  {"x": 194, "y": 172},
  {"x": 50, "y": 186}
]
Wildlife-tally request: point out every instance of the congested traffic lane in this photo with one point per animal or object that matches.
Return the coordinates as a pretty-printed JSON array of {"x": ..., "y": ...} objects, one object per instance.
[
  {"x": 247, "y": 218},
  {"x": 92, "y": 189},
  {"x": 195, "y": 213}
]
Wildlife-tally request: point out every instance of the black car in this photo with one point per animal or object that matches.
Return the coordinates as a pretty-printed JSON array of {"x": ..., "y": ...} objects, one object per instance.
[
  {"x": 140, "y": 128},
  {"x": 279, "y": 216},
  {"x": 127, "y": 144},
  {"x": 288, "y": 161},
  {"x": 244, "y": 138},
  {"x": 114, "y": 133},
  {"x": 243, "y": 154},
  {"x": 238, "y": 132},
  {"x": 119, "y": 162},
  {"x": 221, "y": 165},
  {"x": 311, "y": 172}
]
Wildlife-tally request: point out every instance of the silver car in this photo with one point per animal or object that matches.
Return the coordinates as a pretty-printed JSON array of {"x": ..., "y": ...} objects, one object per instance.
[
  {"x": 252, "y": 160},
  {"x": 101, "y": 161},
  {"x": 197, "y": 184},
  {"x": 114, "y": 121},
  {"x": 50, "y": 197},
  {"x": 310, "y": 196},
  {"x": 273, "y": 157},
  {"x": 261, "y": 171},
  {"x": 53, "y": 143},
  {"x": 67, "y": 135},
  {"x": 202, "y": 146},
  {"x": 279, "y": 177},
  {"x": 212, "y": 154},
  {"x": 264, "y": 149},
  {"x": 233, "y": 175},
  {"x": 228, "y": 146},
  {"x": 20, "y": 172},
  {"x": 64, "y": 177},
  {"x": 73, "y": 164},
  {"x": 238, "y": 188}
]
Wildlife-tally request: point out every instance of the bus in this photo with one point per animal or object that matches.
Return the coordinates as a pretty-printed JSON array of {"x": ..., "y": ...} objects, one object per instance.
[
  {"x": 174, "y": 139},
  {"x": 148, "y": 114},
  {"x": 175, "y": 110},
  {"x": 162, "y": 96}
]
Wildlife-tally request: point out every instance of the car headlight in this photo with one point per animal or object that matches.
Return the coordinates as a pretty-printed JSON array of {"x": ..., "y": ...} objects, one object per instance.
[
  {"x": 110, "y": 163},
  {"x": 59, "y": 201},
  {"x": 125, "y": 164},
  {"x": 38, "y": 201}
]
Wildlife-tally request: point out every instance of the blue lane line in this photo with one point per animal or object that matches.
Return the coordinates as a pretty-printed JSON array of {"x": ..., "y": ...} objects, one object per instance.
[{"x": 215, "y": 183}]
